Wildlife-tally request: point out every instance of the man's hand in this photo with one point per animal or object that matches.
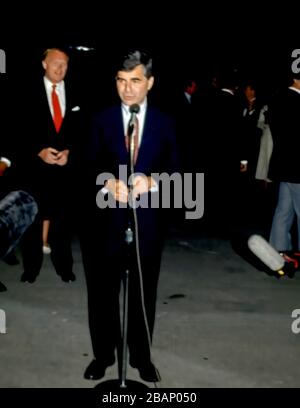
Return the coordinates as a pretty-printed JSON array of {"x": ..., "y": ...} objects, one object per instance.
[
  {"x": 3, "y": 167},
  {"x": 118, "y": 189},
  {"x": 243, "y": 166},
  {"x": 62, "y": 157},
  {"x": 142, "y": 184},
  {"x": 53, "y": 156},
  {"x": 49, "y": 155}
]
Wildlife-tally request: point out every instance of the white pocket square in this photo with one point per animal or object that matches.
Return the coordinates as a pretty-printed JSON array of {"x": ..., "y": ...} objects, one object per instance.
[{"x": 75, "y": 109}]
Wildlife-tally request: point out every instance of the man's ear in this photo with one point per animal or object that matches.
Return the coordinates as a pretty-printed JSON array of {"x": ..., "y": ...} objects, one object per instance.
[
  {"x": 44, "y": 65},
  {"x": 150, "y": 82}
]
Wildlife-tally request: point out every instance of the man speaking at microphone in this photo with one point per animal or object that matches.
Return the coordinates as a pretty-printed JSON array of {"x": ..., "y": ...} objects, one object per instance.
[{"x": 104, "y": 254}]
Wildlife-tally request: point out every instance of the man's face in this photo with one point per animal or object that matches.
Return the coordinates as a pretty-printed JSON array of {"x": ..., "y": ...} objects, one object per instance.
[
  {"x": 133, "y": 86},
  {"x": 249, "y": 93},
  {"x": 192, "y": 88},
  {"x": 55, "y": 66}
]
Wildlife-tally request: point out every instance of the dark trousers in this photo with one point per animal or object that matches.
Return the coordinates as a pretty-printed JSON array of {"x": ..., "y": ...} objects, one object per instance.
[
  {"x": 59, "y": 241},
  {"x": 104, "y": 278}
]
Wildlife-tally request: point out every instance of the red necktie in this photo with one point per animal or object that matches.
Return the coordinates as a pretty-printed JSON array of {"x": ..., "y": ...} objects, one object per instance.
[
  {"x": 135, "y": 138},
  {"x": 57, "y": 115}
]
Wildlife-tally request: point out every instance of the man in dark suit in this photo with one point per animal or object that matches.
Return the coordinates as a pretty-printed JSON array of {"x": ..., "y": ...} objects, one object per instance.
[
  {"x": 186, "y": 116},
  {"x": 5, "y": 145},
  {"x": 6, "y": 160},
  {"x": 223, "y": 152},
  {"x": 105, "y": 254},
  {"x": 5, "y": 163},
  {"x": 48, "y": 165},
  {"x": 17, "y": 208}
]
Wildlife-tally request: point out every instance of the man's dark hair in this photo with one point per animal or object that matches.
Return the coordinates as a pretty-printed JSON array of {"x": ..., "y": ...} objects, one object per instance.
[{"x": 132, "y": 59}]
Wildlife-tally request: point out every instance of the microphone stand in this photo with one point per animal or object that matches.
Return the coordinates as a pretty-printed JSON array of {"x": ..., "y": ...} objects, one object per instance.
[{"x": 122, "y": 382}]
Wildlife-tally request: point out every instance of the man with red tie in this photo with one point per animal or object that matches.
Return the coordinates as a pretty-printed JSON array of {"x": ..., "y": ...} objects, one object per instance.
[{"x": 49, "y": 164}]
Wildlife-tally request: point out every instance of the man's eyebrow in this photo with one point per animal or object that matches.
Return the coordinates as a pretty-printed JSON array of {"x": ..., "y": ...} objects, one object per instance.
[{"x": 129, "y": 79}]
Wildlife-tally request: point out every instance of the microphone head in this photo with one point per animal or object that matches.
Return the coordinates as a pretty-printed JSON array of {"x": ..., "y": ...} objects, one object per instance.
[
  {"x": 265, "y": 252},
  {"x": 17, "y": 212},
  {"x": 135, "y": 108}
]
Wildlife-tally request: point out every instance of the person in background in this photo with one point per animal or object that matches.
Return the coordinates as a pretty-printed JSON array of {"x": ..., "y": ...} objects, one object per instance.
[
  {"x": 284, "y": 165},
  {"x": 17, "y": 208},
  {"x": 5, "y": 163},
  {"x": 7, "y": 166},
  {"x": 49, "y": 161}
]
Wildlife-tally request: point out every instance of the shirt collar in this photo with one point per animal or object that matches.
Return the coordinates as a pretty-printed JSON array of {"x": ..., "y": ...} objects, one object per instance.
[
  {"x": 49, "y": 84},
  {"x": 228, "y": 91},
  {"x": 294, "y": 89},
  {"x": 143, "y": 107}
]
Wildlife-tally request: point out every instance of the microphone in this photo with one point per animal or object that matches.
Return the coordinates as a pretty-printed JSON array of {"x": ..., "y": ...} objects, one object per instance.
[
  {"x": 265, "y": 252},
  {"x": 17, "y": 212},
  {"x": 279, "y": 263},
  {"x": 134, "y": 110}
]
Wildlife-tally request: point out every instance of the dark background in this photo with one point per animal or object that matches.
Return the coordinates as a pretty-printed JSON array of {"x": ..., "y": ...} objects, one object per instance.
[{"x": 187, "y": 39}]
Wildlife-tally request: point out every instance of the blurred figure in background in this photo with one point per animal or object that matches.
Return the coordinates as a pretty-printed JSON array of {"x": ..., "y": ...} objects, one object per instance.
[{"x": 285, "y": 165}]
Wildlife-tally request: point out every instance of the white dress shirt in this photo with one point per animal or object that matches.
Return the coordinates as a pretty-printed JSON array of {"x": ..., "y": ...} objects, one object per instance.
[
  {"x": 6, "y": 161},
  {"x": 141, "y": 118}
]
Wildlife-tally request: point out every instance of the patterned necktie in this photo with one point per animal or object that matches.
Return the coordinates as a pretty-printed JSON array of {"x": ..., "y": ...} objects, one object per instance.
[
  {"x": 135, "y": 136},
  {"x": 57, "y": 115}
]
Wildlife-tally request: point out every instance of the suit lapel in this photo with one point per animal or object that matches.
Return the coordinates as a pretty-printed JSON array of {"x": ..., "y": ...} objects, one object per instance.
[
  {"x": 116, "y": 135},
  {"x": 146, "y": 145}
]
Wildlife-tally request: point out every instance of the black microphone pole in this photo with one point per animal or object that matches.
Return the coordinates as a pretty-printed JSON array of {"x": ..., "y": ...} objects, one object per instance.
[{"x": 129, "y": 240}]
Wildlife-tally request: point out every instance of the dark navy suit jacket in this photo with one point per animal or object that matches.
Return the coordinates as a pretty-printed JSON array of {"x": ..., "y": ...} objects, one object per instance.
[
  {"x": 157, "y": 154},
  {"x": 285, "y": 128},
  {"x": 49, "y": 182}
]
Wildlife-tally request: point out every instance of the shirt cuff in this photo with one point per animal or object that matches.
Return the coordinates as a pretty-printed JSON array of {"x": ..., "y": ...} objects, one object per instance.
[
  {"x": 104, "y": 190},
  {"x": 6, "y": 161},
  {"x": 154, "y": 189}
]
